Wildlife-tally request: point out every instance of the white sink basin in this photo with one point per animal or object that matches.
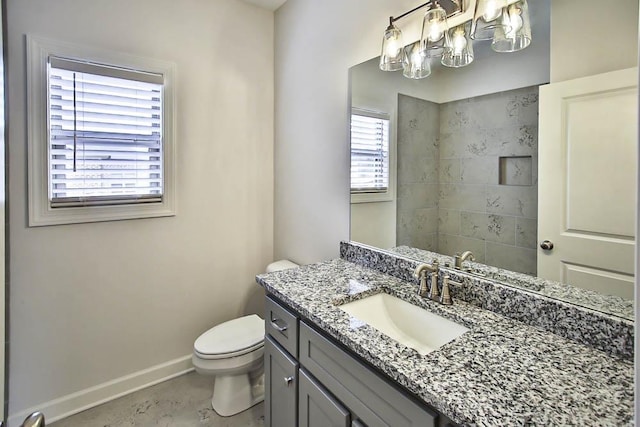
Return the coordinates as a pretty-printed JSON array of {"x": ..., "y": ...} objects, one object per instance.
[{"x": 404, "y": 322}]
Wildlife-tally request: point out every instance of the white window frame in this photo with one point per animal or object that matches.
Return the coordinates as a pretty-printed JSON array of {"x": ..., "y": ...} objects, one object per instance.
[
  {"x": 382, "y": 196},
  {"x": 40, "y": 211}
]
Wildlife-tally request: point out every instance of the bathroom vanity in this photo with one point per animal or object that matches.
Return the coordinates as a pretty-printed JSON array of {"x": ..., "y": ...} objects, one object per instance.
[
  {"x": 325, "y": 367},
  {"x": 311, "y": 380}
]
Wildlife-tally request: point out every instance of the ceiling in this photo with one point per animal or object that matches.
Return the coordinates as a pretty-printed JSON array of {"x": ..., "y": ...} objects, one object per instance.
[{"x": 266, "y": 4}]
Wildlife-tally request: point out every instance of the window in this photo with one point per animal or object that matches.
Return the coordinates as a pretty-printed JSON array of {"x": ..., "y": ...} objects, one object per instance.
[
  {"x": 100, "y": 135},
  {"x": 105, "y": 135},
  {"x": 369, "y": 154}
]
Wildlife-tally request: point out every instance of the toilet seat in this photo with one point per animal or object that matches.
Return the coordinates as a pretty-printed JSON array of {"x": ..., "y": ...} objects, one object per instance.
[
  {"x": 230, "y": 354},
  {"x": 231, "y": 339}
]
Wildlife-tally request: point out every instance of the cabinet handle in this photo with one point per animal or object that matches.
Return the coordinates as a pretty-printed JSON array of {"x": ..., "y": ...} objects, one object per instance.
[
  {"x": 278, "y": 328},
  {"x": 288, "y": 380}
]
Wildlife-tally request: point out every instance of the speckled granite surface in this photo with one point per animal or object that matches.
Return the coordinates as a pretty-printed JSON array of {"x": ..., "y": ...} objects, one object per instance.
[
  {"x": 612, "y": 334},
  {"x": 500, "y": 373},
  {"x": 609, "y": 304}
]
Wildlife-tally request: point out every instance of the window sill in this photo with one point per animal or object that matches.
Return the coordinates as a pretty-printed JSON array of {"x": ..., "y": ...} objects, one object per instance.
[
  {"x": 371, "y": 197},
  {"x": 46, "y": 216}
]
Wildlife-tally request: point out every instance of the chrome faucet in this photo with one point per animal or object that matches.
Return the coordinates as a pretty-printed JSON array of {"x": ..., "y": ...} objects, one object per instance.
[
  {"x": 421, "y": 273},
  {"x": 458, "y": 259},
  {"x": 34, "y": 420}
]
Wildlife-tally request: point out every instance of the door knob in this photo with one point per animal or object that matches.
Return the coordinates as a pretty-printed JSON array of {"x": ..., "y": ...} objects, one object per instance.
[
  {"x": 546, "y": 245},
  {"x": 288, "y": 380}
]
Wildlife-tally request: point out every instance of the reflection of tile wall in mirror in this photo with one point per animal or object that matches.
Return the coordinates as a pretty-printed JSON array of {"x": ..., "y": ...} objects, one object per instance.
[
  {"x": 474, "y": 209},
  {"x": 516, "y": 170},
  {"x": 417, "y": 202}
]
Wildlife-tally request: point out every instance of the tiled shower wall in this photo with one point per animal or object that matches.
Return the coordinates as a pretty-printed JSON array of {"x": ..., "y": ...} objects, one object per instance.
[
  {"x": 417, "y": 159},
  {"x": 486, "y": 177}
]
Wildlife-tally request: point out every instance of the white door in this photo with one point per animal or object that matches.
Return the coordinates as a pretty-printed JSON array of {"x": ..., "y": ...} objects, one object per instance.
[{"x": 587, "y": 181}]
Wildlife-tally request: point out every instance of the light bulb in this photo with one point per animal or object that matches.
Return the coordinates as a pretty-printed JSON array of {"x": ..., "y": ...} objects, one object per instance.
[
  {"x": 515, "y": 21},
  {"x": 393, "y": 46},
  {"x": 459, "y": 42},
  {"x": 417, "y": 57},
  {"x": 436, "y": 30},
  {"x": 434, "y": 25}
]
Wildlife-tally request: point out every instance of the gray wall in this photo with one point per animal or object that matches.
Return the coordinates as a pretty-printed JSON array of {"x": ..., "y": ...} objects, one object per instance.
[{"x": 467, "y": 177}]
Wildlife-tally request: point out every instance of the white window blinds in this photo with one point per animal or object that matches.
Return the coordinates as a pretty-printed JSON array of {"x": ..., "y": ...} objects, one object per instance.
[
  {"x": 369, "y": 152},
  {"x": 105, "y": 134}
]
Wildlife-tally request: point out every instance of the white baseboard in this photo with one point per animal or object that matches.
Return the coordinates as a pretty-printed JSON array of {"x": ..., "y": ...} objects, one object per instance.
[{"x": 88, "y": 398}]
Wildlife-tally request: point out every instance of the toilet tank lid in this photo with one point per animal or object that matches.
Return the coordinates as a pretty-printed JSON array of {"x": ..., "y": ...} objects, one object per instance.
[
  {"x": 231, "y": 336},
  {"x": 283, "y": 264}
]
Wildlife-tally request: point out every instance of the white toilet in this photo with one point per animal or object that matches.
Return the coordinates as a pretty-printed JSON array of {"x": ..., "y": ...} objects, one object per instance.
[{"x": 233, "y": 352}]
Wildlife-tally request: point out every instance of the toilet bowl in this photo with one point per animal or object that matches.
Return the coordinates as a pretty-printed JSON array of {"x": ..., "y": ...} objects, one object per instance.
[{"x": 233, "y": 352}]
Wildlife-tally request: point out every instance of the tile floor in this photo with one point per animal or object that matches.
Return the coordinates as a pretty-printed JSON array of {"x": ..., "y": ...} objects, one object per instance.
[{"x": 184, "y": 401}]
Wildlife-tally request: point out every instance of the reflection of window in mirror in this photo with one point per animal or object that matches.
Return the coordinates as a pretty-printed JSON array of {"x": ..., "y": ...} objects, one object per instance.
[{"x": 370, "y": 177}]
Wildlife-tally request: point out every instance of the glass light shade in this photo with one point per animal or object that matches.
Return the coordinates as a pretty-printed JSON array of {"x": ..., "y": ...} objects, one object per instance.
[
  {"x": 392, "y": 56},
  {"x": 434, "y": 26},
  {"x": 515, "y": 32},
  {"x": 490, "y": 10},
  {"x": 417, "y": 63},
  {"x": 485, "y": 19},
  {"x": 458, "y": 50}
]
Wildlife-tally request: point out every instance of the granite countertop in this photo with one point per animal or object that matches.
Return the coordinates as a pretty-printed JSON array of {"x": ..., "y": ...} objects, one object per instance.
[{"x": 500, "y": 373}]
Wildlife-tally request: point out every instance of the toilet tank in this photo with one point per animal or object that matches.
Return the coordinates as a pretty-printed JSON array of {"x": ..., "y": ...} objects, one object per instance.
[{"x": 283, "y": 264}]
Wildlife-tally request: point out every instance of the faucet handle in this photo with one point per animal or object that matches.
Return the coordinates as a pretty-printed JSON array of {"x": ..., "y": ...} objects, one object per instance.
[
  {"x": 433, "y": 291},
  {"x": 423, "y": 289},
  {"x": 446, "y": 296}
]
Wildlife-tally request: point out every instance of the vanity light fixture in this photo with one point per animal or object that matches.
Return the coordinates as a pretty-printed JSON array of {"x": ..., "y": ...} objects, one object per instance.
[{"x": 448, "y": 30}]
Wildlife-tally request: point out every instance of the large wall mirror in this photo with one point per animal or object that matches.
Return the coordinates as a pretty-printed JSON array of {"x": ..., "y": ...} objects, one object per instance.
[{"x": 513, "y": 150}]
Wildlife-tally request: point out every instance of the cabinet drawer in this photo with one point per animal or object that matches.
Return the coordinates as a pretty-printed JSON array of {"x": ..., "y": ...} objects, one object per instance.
[
  {"x": 282, "y": 325},
  {"x": 367, "y": 394}
]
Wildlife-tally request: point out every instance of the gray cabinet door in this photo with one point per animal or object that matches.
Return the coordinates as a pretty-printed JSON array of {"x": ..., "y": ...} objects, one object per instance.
[
  {"x": 281, "y": 386},
  {"x": 317, "y": 407},
  {"x": 372, "y": 398}
]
